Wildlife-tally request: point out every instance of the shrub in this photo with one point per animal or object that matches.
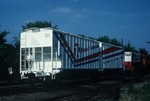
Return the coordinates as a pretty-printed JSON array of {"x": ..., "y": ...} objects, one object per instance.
[{"x": 136, "y": 93}]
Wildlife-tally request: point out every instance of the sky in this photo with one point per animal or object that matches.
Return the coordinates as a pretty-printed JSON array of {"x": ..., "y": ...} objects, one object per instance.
[{"x": 121, "y": 19}]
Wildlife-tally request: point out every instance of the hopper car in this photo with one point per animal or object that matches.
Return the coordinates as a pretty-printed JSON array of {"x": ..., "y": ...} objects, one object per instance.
[{"x": 57, "y": 54}]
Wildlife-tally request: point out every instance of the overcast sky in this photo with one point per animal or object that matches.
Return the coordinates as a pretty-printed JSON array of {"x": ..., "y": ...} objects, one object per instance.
[{"x": 122, "y": 19}]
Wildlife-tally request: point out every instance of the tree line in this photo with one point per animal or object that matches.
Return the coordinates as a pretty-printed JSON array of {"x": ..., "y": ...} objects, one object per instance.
[
  {"x": 127, "y": 47},
  {"x": 9, "y": 52},
  {"x": 9, "y": 55}
]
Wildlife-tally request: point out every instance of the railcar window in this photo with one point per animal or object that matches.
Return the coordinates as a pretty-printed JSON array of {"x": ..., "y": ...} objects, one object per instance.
[
  {"x": 55, "y": 48},
  {"x": 31, "y": 51},
  {"x": 46, "y": 49},
  {"x": 23, "y": 64},
  {"x": 37, "y": 56},
  {"x": 46, "y": 53},
  {"x": 23, "y": 57},
  {"x": 46, "y": 57},
  {"x": 26, "y": 50},
  {"x": 38, "y": 53},
  {"x": 38, "y": 49},
  {"x": 23, "y": 51}
]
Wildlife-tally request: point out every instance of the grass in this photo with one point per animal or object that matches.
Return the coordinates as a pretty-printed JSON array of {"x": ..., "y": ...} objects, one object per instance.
[{"x": 136, "y": 93}]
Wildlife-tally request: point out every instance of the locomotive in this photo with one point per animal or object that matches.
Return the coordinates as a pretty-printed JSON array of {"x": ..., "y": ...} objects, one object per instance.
[
  {"x": 136, "y": 62},
  {"x": 54, "y": 53}
]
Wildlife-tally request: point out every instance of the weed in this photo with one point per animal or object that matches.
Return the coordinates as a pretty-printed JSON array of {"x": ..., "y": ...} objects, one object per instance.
[{"x": 136, "y": 93}]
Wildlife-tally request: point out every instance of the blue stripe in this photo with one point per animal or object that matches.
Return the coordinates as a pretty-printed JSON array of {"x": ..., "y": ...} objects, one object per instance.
[
  {"x": 87, "y": 62},
  {"x": 112, "y": 55}
]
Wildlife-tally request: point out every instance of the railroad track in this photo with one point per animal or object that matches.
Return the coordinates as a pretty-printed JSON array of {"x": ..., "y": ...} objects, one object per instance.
[
  {"x": 88, "y": 93},
  {"x": 17, "y": 89},
  {"x": 71, "y": 91}
]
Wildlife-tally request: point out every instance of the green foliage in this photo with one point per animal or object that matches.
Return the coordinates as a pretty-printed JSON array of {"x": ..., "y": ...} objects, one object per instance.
[
  {"x": 126, "y": 97},
  {"x": 3, "y": 35},
  {"x": 113, "y": 41},
  {"x": 131, "y": 89},
  {"x": 3, "y": 41},
  {"x": 3, "y": 55},
  {"x": 146, "y": 89},
  {"x": 126, "y": 47},
  {"x": 136, "y": 93},
  {"x": 143, "y": 51},
  {"x": 38, "y": 24},
  {"x": 9, "y": 55},
  {"x": 130, "y": 48},
  {"x": 82, "y": 35},
  {"x": 105, "y": 39}
]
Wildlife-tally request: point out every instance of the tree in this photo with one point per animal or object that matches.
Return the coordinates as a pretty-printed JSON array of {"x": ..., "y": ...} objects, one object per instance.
[
  {"x": 38, "y": 24},
  {"x": 3, "y": 56},
  {"x": 82, "y": 35},
  {"x": 143, "y": 51},
  {"x": 9, "y": 56},
  {"x": 3, "y": 35},
  {"x": 113, "y": 41},
  {"x": 105, "y": 39},
  {"x": 129, "y": 47},
  {"x": 15, "y": 61}
]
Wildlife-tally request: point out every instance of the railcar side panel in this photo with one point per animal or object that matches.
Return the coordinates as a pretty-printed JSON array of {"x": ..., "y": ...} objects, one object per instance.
[
  {"x": 112, "y": 57},
  {"x": 78, "y": 52}
]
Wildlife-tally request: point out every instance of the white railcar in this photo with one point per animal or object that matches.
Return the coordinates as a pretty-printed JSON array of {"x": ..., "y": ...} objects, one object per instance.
[{"x": 45, "y": 51}]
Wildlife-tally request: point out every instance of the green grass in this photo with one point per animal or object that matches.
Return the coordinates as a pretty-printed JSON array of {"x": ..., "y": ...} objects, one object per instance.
[{"x": 136, "y": 93}]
